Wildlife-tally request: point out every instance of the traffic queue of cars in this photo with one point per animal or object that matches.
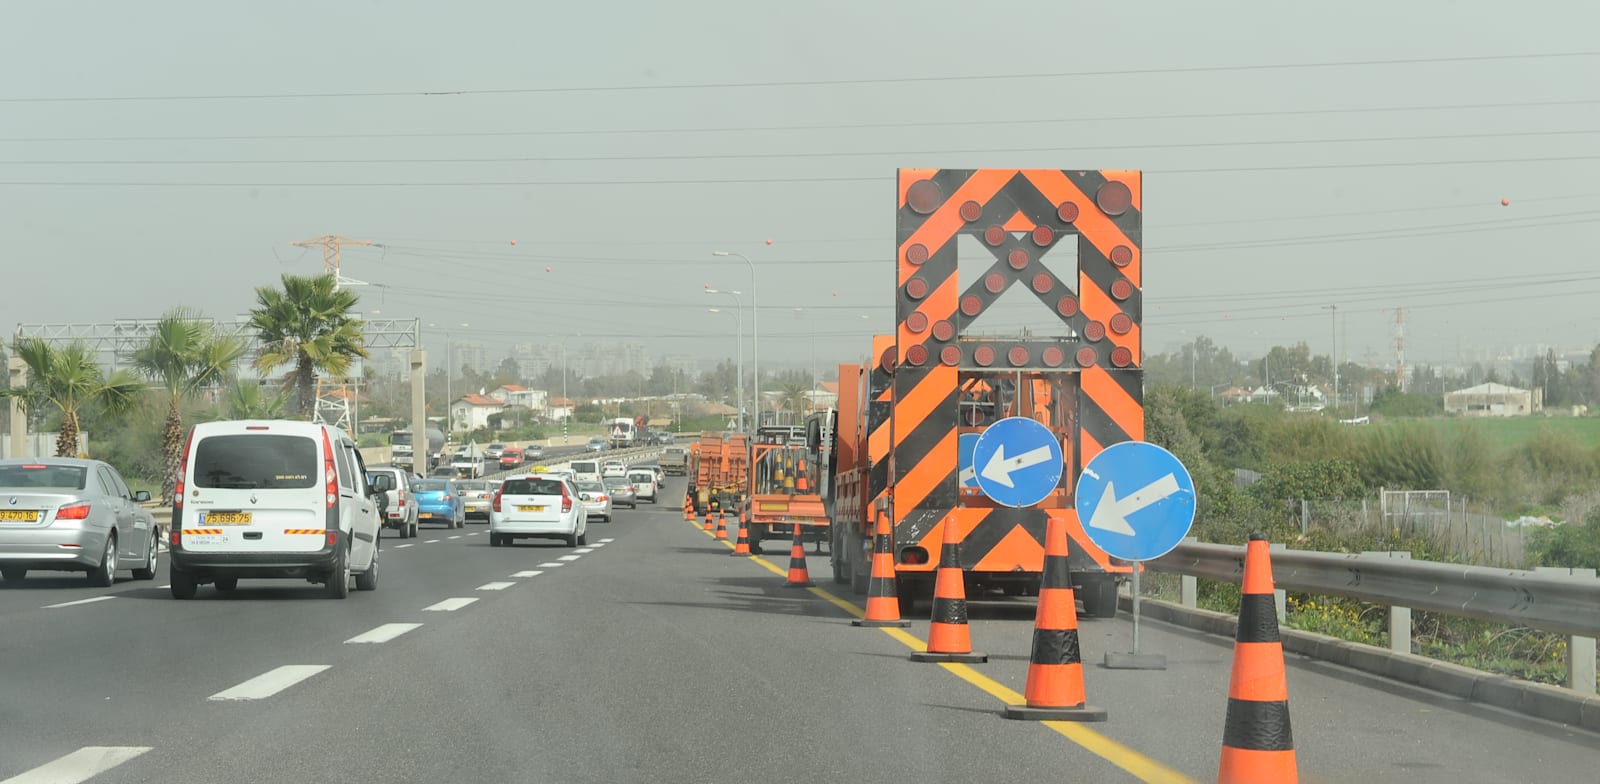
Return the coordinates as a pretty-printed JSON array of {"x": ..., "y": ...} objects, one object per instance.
[{"x": 279, "y": 499}]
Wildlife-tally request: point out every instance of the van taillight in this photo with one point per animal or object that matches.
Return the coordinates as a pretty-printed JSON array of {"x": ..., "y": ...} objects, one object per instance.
[
  {"x": 333, "y": 538},
  {"x": 332, "y": 472},
  {"x": 183, "y": 467}
]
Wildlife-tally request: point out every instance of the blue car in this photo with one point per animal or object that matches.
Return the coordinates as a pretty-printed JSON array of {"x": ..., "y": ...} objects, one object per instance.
[{"x": 439, "y": 502}]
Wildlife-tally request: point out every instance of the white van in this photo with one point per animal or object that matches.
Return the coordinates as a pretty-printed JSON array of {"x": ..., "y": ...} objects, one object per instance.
[
  {"x": 585, "y": 470},
  {"x": 274, "y": 499}
]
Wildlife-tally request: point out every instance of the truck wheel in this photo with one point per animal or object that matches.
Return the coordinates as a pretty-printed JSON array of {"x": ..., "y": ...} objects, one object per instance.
[
  {"x": 905, "y": 593},
  {"x": 860, "y": 566},
  {"x": 836, "y": 557},
  {"x": 1099, "y": 594}
]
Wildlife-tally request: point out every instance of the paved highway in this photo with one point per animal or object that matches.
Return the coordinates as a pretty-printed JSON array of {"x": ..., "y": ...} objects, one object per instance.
[{"x": 649, "y": 656}]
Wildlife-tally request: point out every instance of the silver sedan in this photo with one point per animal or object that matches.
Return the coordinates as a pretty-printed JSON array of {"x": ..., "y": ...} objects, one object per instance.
[{"x": 69, "y": 515}]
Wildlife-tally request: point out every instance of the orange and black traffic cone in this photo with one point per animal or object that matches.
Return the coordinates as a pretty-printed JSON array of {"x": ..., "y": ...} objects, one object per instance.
[
  {"x": 949, "y": 640},
  {"x": 741, "y": 546},
  {"x": 799, "y": 575},
  {"x": 1256, "y": 743},
  {"x": 708, "y": 526},
  {"x": 1055, "y": 667},
  {"x": 722, "y": 526},
  {"x": 883, "y": 603},
  {"x": 688, "y": 507}
]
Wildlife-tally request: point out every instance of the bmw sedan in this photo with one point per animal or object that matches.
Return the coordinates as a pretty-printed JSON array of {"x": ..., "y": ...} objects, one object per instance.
[{"x": 68, "y": 515}]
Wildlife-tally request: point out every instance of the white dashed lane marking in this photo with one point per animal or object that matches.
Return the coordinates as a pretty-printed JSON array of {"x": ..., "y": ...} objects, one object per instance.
[
  {"x": 607, "y": 541},
  {"x": 495, "y": 586},
  {"x": 569, "y": 558},
  {"x": 451, "y": 605},
  {"x": 457, "y": 536},
  {"x": 474, "y": 533},
  {"x": 583, "y": 550},
  {"x": 90, "y": 600},
  {"x": 550, "y": 565},
  {"x": 404, "y": 546},
  {"x": 431, "y": 541},
  {"x": 528, "y": 573},
  {"x": 384, "y": 633},
  {"x": 270, "y": 683},
  {"x": 80, "y": 765}
]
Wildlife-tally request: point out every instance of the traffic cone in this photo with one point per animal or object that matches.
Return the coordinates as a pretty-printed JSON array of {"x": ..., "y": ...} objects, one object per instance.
[
  {"x": 799, "y": 575},
  {"x": 709, "y": 526},
  {"x": 722, "y": 526},
  {"x": 949, "y": 640},
  {"x": 802, "y": 484},
  {"x": 741, "y": 546},
  {"x": 1055, "y": 667},
  {"x": 1256, "y": 743},
  {"x": 688, "y": 507},
  {"x": 883, "y": 604}
]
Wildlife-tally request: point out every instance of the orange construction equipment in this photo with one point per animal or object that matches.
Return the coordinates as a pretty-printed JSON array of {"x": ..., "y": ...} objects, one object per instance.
[
  {"x": 719, "y": 465},
  {"x": 741, "y": 546},
  {"x": 1257, "y": 746},
  {"x": 1055, "y": 668},
  {"x": 785, "y": 482},
  {"x": 799, "y": 575},
  {"x": 883, "y": 606},
  {"x": 910, "y": 411},
  {"x": 949, "y": 640},
  {"x": 722, "y": 525}
]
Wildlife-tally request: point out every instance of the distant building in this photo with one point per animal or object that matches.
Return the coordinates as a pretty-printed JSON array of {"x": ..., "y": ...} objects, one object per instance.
[
  {"x": 1493, "y": 400},
  {"x": 514, "y": 395},
  {"x": 470, "y": 412},
  {"x": 560, "y": 409}
]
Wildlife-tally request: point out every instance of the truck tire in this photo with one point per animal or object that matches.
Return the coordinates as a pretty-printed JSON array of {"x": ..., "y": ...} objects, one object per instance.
[
  {"x": 837, "y": 558},
  {"x": 860, "y": 565},
  {"x": 1098, "y": 593}
]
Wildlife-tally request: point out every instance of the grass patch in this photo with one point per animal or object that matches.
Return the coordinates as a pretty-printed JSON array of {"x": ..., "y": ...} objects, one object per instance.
[{"x": 1509, "y": 432}]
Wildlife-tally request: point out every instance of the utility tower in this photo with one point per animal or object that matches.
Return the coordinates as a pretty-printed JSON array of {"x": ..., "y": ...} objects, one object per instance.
[
  {"x": 331, "y": 246},
  {"x": 1400, "y": 348}
]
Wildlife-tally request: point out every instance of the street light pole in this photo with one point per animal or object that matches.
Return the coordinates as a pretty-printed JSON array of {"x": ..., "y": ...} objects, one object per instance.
[
  {"x": 739, "y": 352},
  {"x": 755, "y": 328},
  {"x": 738, "y": 362},
  {"x": 1333, "y": 333},
  {"x": 449, "y": 416}
]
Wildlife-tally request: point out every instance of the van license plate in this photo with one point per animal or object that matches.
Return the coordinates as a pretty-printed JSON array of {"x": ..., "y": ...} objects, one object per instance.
[
  {"x": 226, "y": 518},
  {"x": 530, "y": 509},
  {"x": 19, "y": 515}
]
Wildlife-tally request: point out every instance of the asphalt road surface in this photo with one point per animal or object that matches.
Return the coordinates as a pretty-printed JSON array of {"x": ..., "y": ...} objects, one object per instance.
[{"x": 650, "y": 656}]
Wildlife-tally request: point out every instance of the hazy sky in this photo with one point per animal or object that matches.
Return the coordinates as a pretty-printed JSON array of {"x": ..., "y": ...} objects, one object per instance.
[{"x": 1297, "y": 155}]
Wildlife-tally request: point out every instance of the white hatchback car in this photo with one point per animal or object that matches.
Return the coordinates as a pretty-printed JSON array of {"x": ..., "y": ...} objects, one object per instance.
[{"x": 537, "y": 506}]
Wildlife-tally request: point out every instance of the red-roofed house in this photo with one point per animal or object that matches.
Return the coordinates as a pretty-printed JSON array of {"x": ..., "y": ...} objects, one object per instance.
[
  {"x": 470, "y": 412},
  {"x": 560, "y": 408},
  {"x": 513, "y": 395}
]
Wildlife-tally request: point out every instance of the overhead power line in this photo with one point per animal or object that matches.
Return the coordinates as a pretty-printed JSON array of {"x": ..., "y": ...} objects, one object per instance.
[{"x": 420, "y": 93}]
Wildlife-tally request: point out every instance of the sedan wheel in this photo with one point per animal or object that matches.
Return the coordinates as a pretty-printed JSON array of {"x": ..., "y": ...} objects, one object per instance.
[
  {"x": 13, "y": 574},
  {"x": 106, "y": 573},
  {"x": 148, "y": 571}
]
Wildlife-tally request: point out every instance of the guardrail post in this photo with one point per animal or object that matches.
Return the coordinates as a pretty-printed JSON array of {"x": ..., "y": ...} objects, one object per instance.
[
  {"x": 1280, "y": 597},
  {"x": 1399, "y": 617},
  {"x": 1188, "y": 584},
  {"x": 1580, "y": 650}
]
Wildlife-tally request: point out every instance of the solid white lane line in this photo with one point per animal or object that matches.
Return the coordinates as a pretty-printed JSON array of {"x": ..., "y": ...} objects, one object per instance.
[
  {"x": 550, "y": 565},
  {"x": 450, "y": 605},
  {"x": 569, "y": 558},
  {"x": 584, "y": 550},
  {"x": 80, "y": 765},
  {"x": 404, "y": 546},
  {"x": 528, "y": 573},
  {"x": 270, "y": 682},
  {"x": 495, "y": 586},
  {"x": 90, "y": 600},
  {"x": 384, "y": 633},
  {"x": 457, "y": 536}
]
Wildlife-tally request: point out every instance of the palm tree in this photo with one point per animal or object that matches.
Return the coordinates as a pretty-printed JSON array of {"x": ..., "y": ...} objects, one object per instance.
[
  {"x": 67, "y": 379},
  {"x": 307, "y": 324},
  {"x": 793, "y": 396},
  {"x": 245, "y": 400},
  {"x": 183, "y": 356}
]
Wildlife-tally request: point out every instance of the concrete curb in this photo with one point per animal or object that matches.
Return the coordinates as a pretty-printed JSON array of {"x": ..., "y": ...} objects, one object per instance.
[{"x": 1538, "y": 700}]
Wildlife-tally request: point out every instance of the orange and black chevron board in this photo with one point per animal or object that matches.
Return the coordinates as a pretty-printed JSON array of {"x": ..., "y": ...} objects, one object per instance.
[{"x": 1019, "y": 216}]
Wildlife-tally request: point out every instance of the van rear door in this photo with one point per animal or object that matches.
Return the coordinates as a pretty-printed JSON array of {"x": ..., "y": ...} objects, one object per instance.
[{"x": 255, "y": 492}]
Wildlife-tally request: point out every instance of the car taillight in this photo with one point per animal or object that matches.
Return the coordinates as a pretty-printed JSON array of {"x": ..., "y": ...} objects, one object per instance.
[
  {"x": 599, "y": 498},
  {"x": 78, "y": 511},
  {"x": 497, "y": 502},
  {"x": 332, "y": 486},
  {"x": 566, "y": 500},
  {"x": 183, "y": 465}
]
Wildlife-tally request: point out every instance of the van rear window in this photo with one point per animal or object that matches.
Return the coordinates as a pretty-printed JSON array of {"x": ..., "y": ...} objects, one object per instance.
[
  {"x": 255, "y": 461},
  {"x": 531, "y": 487}
]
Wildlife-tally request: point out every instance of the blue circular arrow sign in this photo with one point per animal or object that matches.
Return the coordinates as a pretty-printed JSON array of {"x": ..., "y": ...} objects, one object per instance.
[
  {"x": 1018, "y": 462},
  {"x": 966, "y": 475},
  {"x": 1135, "y": 501}
]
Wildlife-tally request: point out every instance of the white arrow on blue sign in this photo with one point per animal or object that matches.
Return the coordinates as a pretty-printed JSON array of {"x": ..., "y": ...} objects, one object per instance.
[
  {"x": 1136, "y": 501},
  {"x": 1018, "y": 462},
  {"x": 966, "y": 476}
]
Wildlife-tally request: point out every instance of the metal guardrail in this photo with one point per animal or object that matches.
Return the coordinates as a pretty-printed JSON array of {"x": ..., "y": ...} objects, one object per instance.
[{"x": 1555, "y": 603}]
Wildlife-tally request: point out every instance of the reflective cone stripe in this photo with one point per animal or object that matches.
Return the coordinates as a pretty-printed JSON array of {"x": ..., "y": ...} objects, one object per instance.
[
  {"x": 722, "y": 526},
  {"x": 1055, "y": 666},
  {"x": 883, "y": 603},
  {"x": 742, "y": 545},
  {"x": 949, "y": 639},
  {"x": 799, "y": 575},
  {"x": 1257, "y": 744}
]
